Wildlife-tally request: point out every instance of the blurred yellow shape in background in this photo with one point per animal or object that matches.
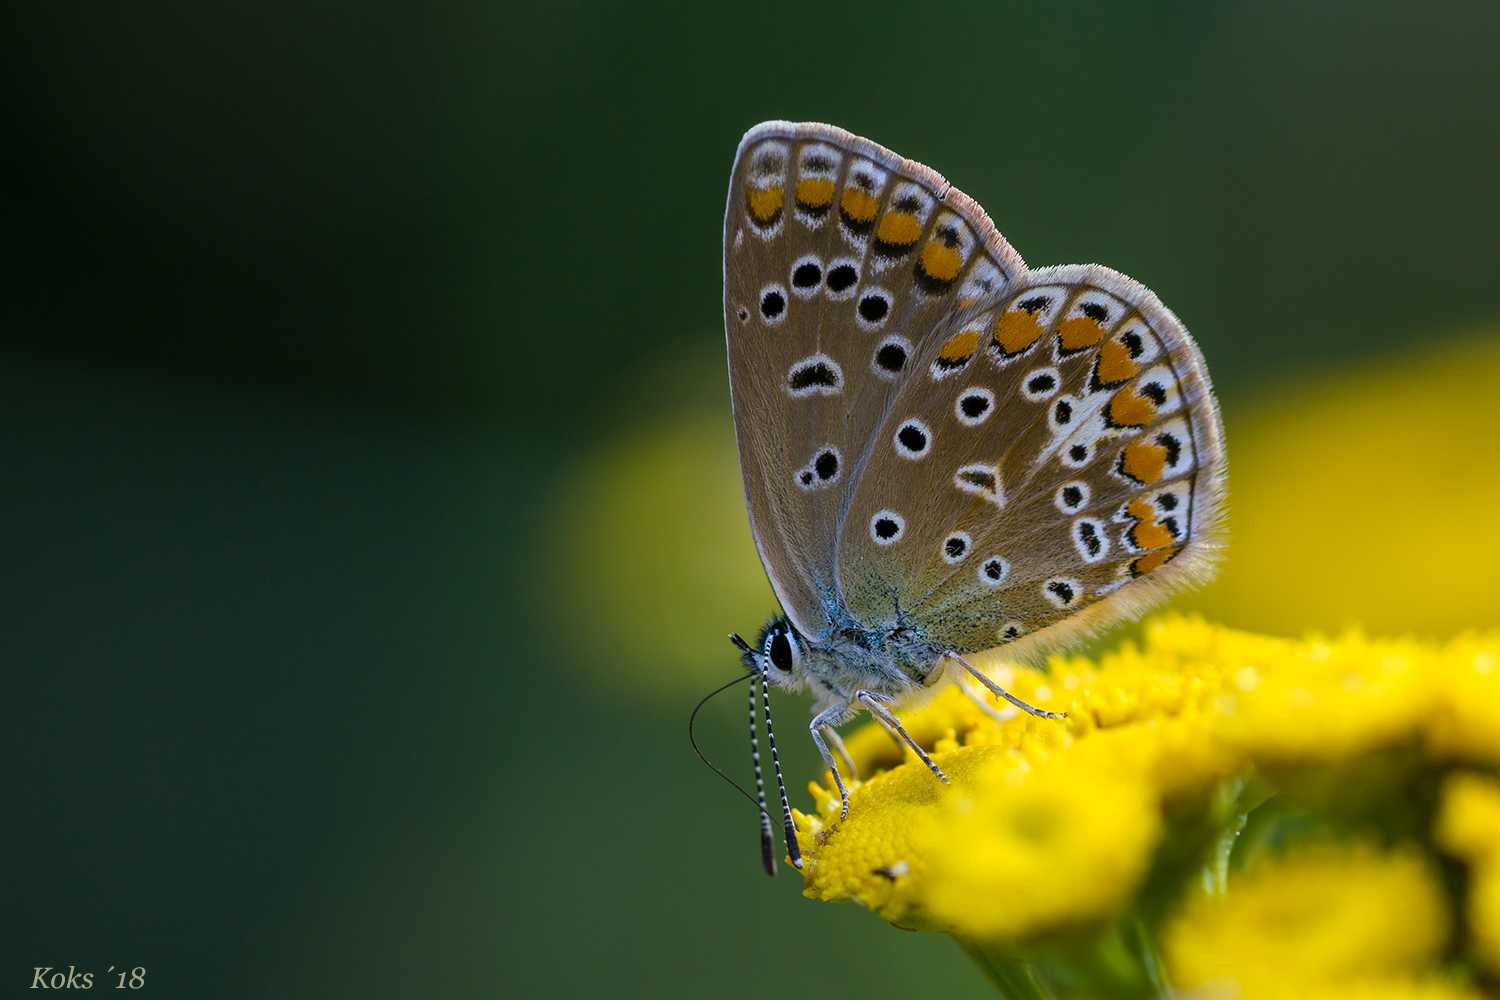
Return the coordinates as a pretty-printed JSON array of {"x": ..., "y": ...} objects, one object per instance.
[
  {"x": 655, "y": 564},
  {"x": 1369, "y": 496},
  {"x": 1468, "y": 827},
  {"x": 1321, "y": 915}
]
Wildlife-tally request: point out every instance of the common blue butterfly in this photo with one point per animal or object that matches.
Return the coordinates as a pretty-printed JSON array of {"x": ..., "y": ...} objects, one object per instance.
[{"x": 943, "y": 450}]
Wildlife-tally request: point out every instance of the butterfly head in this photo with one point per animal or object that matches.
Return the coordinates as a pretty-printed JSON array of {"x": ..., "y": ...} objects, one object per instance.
[{"x": 781, "y": 651}]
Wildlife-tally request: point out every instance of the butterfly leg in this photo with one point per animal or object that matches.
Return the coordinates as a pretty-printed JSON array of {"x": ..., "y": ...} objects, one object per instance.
[
  {"x": 822, "y": 723},
  {"x": 842, "y": 751},
  {"x": 966, "y": 685},
  {"x": 1000, "y": 692},
  {"x": 871, "y": 700}
]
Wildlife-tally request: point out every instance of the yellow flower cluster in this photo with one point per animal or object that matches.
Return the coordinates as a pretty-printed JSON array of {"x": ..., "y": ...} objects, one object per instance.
[
  {"x": 1055, "y": 829},
  {"x": 1322, "y": 920}
]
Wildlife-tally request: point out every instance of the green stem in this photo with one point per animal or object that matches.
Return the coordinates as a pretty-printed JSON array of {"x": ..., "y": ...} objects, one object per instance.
[
  {"x": 1012, "y": 977},
  {"x": 1115, "y": 962}
]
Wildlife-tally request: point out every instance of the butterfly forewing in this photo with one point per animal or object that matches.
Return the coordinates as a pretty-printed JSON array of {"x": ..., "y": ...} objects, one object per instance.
[{"x": 838, "y": 256}]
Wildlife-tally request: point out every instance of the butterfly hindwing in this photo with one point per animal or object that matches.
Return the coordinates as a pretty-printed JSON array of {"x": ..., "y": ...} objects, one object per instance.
[{"x": 1074, "y": 469}]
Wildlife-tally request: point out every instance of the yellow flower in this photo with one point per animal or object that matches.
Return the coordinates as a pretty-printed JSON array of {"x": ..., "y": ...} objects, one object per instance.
[
  {"x": 1020, "y": 851},
  {"x": 1013, "y": 849},
  {"x": 1468, "y": 827},
  {"x": 1469, "y": 824},
  {"x": 1400, "y": 988},
  {"x": 1319, "y": 701},
  {"x": 877, "y": 855},
  {"x": 1010, "y": 848},
  {"x": 1320, "y": 917},
  {"x": 1074, "y": 838},
  {"x": 1466, "y": 717}
]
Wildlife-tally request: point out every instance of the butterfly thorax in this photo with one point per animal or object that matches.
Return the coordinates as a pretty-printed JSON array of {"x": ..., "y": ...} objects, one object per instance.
[{"x": 892, "y": 660}]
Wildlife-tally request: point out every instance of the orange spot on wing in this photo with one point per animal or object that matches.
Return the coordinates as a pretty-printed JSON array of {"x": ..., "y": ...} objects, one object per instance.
[
  {"x": 764, "y": 204},
  {"x": 960, "y": 348},
  {"x": 1151, "y": 536},
  {"x": 940, "y": 262},
  {"x": 815, "y": 192},
  {"x": 1152, "y": 560},
  {"x": 858, "y": 205},
  {"x": 1143, "y": 461},
  {"x": 1078, "y": 333},
  {"x": 899, "y": 229},
  {"x": 1148, "y": 532},
  {"x": 1016, "y": 331},
  {"x": 1115, "y": 363},
  {"x": 1126, "y": 409}
]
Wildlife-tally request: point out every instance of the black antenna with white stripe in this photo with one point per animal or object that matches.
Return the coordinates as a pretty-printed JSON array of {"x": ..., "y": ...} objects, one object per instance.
[
  {"x": 767, "y": 841},
  {"x": 789, "y": 830}
]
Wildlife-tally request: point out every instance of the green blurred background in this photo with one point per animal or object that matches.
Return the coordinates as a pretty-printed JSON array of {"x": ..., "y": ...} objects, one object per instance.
[{"x": 329, "y": 333}]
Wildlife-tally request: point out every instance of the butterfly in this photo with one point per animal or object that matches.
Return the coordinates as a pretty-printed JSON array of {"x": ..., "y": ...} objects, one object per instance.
[{"x": 943, "y": 450}]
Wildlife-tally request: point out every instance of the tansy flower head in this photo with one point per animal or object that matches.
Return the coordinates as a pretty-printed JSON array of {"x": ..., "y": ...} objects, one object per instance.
[
  {"x": 1019, "y": 852},
  {"x": 1120, "y": 826},
  {"x": 1321, "y": 916}
]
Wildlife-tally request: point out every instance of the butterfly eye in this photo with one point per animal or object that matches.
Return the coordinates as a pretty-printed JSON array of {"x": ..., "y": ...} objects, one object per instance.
[
  {"x": 779, "y": 650},
  {"x": 822, "y": 471},
  {"x": 1062, "y": 412},
  {"x": 817, "y": 374},
  {"x": 887, "y": 527},
  {"x": 982, "y": 480},
  {"x": 1040, "y": 384},
  {"x": 1077, "y": 455},
  {"x": 1089, "y": 539}
]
